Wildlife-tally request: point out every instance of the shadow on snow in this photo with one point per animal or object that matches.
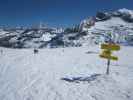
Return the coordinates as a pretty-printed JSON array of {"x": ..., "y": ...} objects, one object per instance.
[{"x": 82, "y": 79}]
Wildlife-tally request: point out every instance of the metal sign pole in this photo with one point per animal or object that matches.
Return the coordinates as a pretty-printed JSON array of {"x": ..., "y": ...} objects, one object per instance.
[
  {"x": 108, "y": 61},
  {"x": 108, "y": 65},
  {"x": 108, "y": 48}
]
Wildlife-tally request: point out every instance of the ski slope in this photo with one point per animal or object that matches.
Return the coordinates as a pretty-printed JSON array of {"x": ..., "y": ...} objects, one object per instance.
[{"x": 28, "y": 76}]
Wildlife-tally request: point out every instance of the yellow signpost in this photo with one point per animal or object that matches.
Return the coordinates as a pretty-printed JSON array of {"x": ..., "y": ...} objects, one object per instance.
[
  {"x": 110, "y": 46},
  {"x": 109, "y": 57},
  {"x": 107, "y": 53}
]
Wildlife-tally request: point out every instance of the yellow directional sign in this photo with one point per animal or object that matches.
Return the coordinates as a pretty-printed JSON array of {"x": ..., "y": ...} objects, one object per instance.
[
  {"x": 109, "y": 57},
  {"x": 107, "y": 52},
  {"x": 113, "y": 47}
]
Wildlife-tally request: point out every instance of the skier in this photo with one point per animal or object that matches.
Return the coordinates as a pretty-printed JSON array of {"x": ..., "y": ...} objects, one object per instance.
[{"x": 36, "y": 51}]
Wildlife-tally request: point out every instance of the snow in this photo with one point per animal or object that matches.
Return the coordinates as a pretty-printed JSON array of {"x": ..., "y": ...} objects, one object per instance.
[
  {"x": 47, "y": 36},
  {"x": 119, "y": 28},
  {"x": 106, "y": 25},
  {"x": 126, "y": 11},
  {"x": 28, "y": 76}
]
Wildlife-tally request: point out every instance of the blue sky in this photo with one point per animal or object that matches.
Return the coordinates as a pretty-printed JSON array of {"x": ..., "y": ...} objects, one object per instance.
[{"x": 54, "y": 12}]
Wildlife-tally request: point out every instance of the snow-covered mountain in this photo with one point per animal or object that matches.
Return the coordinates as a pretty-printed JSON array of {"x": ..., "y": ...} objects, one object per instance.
[
  {"x": 27, "y": 38},
  {"x": 117, "y": 25}
]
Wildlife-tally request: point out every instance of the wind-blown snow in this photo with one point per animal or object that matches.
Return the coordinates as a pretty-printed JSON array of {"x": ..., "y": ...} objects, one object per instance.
[{"x": 28, "y": 76}]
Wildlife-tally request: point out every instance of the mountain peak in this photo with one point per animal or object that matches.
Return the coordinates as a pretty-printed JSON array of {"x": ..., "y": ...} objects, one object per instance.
[{"x": 125, "y": 10}]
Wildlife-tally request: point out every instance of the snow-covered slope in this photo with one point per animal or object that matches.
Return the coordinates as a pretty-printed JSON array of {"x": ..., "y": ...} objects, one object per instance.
[
  {"x": 28, "y": 76},
  {"x": 118, "y": 23},
  {"x": 118, "y": 27}
]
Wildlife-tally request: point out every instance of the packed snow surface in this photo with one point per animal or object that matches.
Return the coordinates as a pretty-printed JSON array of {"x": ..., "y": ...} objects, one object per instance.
[{"x": 28, "y": 76}]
